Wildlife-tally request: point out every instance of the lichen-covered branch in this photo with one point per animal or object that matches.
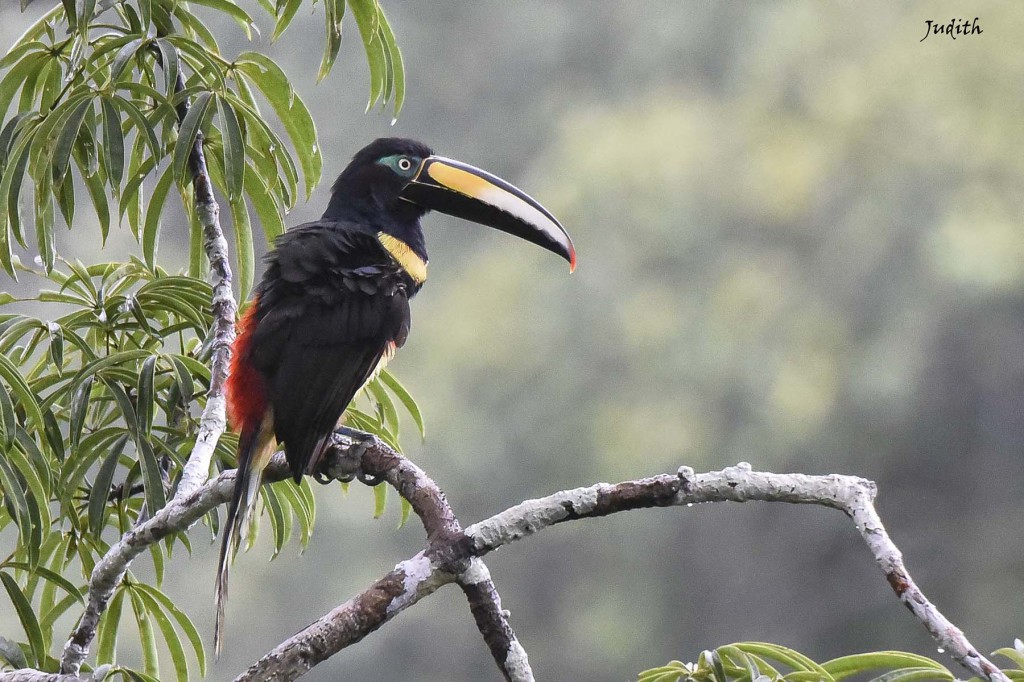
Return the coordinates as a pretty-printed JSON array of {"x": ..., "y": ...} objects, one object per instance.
[
  {"x": 420, "y": 576},
  {"x": 213, "y": 421},
  {"x": 29, "y": 675},
  {"x": 441, "y": 562},
  {"x": 492, "y": 621},
  {"x": 849, "y": 494},
  {"x": 111, "y": 568}
]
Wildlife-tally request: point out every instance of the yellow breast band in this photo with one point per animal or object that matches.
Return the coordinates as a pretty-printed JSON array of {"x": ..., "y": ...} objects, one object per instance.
[{"x": 405, "y": 257}]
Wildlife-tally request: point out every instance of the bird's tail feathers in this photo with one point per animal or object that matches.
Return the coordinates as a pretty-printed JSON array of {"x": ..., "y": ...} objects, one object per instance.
[{"x": 254, "y": 449}]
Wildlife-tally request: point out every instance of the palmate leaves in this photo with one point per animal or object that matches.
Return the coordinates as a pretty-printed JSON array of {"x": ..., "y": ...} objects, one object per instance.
[
  {"x": 99, "y": 402},
  {"x": 99, "y": 408},
  {"x": 98, "y": 106},
  {"x": 762, "y": 662}
]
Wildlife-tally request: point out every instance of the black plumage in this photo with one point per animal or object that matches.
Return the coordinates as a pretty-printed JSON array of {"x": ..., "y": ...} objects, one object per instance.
[{"x": 331, "y": 305}]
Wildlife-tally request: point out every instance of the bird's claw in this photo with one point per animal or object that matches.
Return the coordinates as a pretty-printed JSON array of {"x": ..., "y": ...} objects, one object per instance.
[
  {"x": 369, "y": 479},
  {"x": 350, "y": 445}
]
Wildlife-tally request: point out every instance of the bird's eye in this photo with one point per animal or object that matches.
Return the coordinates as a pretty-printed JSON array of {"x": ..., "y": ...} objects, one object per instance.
[{"x": 404, "y": 163}]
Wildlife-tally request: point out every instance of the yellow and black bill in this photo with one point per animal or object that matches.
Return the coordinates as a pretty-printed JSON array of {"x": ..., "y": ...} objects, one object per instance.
[{"x": 466, "y": 192}]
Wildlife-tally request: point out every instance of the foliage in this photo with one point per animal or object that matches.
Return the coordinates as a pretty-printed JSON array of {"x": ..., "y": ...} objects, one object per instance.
[
  {"x": 98, "y": 413},
  {"x": 99, "y": 401},
  {"x": 762, "y": 662},
  {"x": 100, "y": 87}
]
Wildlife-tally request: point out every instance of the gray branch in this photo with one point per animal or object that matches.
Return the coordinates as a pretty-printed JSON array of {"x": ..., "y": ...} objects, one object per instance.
[
  {"x": 112, "y": 567},
  {"x": 422, "y": 575},
  {"x": 29, "y": 675}
]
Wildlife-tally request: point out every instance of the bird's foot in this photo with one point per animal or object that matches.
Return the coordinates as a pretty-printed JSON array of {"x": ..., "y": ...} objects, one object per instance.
[{"x": 349, "y": 446}]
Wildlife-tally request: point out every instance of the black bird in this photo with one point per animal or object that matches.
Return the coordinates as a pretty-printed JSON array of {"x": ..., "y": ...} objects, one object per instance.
[{"x": 333, "y": 305}]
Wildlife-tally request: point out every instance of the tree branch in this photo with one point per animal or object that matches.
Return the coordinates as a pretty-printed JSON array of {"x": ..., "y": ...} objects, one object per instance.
[
  {"x": 30, "y": 675},
  {"x": 213, "y": 421},
  {"x": 492, "y": 621},
  {"x": 109, "y": 571},
  {"x": 421, "y": 575}
]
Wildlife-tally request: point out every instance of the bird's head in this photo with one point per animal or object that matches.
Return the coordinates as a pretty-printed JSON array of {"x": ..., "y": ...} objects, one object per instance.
[{"x": 396, "y": 181}]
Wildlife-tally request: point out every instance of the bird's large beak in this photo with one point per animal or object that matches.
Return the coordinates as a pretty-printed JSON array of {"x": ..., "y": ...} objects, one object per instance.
[{"x": 463, "y": 191}]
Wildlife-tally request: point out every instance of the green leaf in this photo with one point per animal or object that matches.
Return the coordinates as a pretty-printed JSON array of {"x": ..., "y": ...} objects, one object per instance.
[
  {"x": 243, "y": 245},
  {"x": 266, "y": 208},
  {"x": 286, "y": 10},
  {"x": 124, "y": 55},
  {"x": 141, "y": 123},
  {"x": 183, "y": 622},
  {"x": 67, "y": 137},
  {"x": 186, "y": 387},
  {"x": 65, "y": 194},
  {"x": 169, "y": 63},
  {"x": 1013, "y": 654},
  {"x": 151, "y": 478},
  {"x": 106, "y": 636},
  {"x": 170, "y": 635},
  {"x": 159, "y": 566},
  {"x": 27, "y": 616},
  {"x": 847, "y": 666},
  {"x": 367, "y": 18},
  {"x": 914, "y": 675},
  {"x": 8, "y": 425},
  {"x": 20, "y": 50},
  {"x": 147, "y": 394},
  {"x": 187, "y": 133},
  {"x": 234, "y": 149},
  {"x": 295, "y": 500},
  {"x": 98, "y": 195},
  {"x": 380, "y": 500},
  {"x": 334, "y": 11},
  {"x": 397, "y": 63},
  {"x": 151, "y": 227},
  {"x": 44, "y": 222},
  {"x": 113, "y": 144},
  {"x": 782, "y": 654},
  {"x": 405, "y": 398},
  {"x": 206, "y": 64},
  {"x": 240, "y": 16},
  {"x": 268, "y": 77},
  {"x": 385, "y": 405},
  {"x": 147, "y": 637},
  {"x": 27, "y": 400},
  {"x": 16, "y": 499},
  {"x": 280, "y": 520},
  {"x": 17, "y": 76},
  {"x": 11, "y": 179},
  {"x": 79, "y": 407},
  {"x": 7, "y": 136},
  {"x": 49, "y": 576},
  {"x": 99, "y": 494},
  {"x": 56, "y": 347}
]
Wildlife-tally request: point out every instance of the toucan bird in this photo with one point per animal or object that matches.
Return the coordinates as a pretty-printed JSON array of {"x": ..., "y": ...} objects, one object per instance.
[{"x": 333, "y": 306}]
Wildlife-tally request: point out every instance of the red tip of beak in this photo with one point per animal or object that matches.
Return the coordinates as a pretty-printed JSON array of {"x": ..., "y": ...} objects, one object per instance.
[{"x": 572, "y": 262}]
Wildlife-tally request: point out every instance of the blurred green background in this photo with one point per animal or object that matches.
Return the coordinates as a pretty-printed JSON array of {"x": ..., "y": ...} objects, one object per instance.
[{"x": 801, "y": 245}]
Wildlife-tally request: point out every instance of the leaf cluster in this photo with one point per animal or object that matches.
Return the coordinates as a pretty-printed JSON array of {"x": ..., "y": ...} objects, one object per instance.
[
  {"x": 99, "y": 409},
  {"x": 108, "y": 92},
  {"x": 763, "y": 662}
]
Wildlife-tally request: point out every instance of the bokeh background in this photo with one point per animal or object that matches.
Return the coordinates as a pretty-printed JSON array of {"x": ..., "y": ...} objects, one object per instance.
[{"x": 801, "y": 245}]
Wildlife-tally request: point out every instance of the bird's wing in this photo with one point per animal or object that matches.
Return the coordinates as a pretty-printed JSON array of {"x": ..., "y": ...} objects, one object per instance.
[{"x": 331, "y": 306}]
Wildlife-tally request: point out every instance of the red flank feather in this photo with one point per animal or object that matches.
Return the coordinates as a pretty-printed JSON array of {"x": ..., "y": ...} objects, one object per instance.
[{"x": 245, "y": 389}]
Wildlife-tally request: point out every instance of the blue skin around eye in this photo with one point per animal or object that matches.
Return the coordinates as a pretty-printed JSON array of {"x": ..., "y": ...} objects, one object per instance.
[{"x": 392, "y": 163}]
